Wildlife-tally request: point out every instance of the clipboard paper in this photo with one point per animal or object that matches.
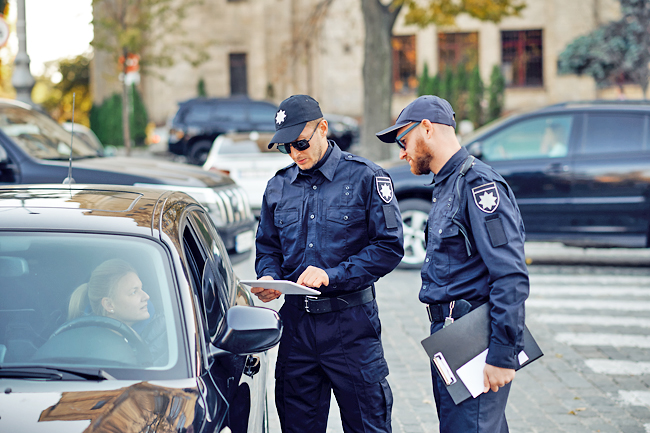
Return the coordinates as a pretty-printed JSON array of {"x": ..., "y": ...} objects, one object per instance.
[
  {"x": 285, "y": 286},
  {"x": 463, "y": 346}
]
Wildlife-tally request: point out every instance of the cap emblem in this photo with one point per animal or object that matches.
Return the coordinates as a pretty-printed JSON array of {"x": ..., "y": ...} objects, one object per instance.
[{"x": 279, "y": 118}]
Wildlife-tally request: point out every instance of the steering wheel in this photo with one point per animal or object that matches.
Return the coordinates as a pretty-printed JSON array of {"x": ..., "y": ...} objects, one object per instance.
[{"x": 135, "y": 341}]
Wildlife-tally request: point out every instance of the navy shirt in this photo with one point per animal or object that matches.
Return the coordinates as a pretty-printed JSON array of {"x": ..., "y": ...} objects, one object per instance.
[
  {"x": 341, "y": 217},
  {"x": 482, "y": 204}
]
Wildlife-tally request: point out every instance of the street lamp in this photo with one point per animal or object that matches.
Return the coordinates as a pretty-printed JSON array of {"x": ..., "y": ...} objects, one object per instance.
[{"x": 22, "y": 78}]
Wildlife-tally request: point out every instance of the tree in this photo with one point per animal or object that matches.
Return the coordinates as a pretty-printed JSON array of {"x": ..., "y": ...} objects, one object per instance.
[
  {"x": 616, "y": 49},
  {"x": 475, "y": 98},
  {"x": 379, "y": 18},
  {"x": 496, "y": 89},
  {"x": 142, "y": 27}
]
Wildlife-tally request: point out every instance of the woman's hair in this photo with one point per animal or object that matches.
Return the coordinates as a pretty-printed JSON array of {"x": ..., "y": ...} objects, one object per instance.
[{"x": 102, "y": 282}]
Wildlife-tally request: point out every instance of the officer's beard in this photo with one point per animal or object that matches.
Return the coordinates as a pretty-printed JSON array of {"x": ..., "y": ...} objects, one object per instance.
[{"x": 421, "y": 161}]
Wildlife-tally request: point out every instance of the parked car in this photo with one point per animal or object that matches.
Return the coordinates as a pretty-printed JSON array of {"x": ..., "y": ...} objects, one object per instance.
[
  {"x": 89, "y": 137},
  {"x": 247, "y": 159},
  {"x": 580, "y": 172},
  {"x": 199, "y": 121},
  {"x": 36, "y": 149},
  {"x": 191, "y": 356}
]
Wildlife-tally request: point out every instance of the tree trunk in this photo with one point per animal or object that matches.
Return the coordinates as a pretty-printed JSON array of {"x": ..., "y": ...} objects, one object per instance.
[
  {"x": 126, "y": 130},
  {"x": 377, "y": 77}
]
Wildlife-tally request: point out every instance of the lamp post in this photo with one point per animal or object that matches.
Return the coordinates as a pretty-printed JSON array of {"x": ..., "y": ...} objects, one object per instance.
[{"x": 22, "y": 78}]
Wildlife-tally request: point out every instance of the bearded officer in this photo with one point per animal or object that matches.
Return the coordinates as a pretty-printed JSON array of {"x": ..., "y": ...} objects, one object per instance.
[
  {"x": 329, "y": 221},
  {"x": 475, "y": 255}
]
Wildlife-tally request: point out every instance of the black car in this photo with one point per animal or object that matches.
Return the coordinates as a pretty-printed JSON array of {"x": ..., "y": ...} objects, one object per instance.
[
  {"x": 199, "y": 121},
  {"x": 186, "y": 350},
  {"x": 36, "y": 149},
  {"x": 580, "y": 172}
]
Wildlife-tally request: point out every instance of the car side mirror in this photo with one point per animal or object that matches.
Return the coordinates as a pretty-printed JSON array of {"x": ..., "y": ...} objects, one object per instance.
[
  {"x": 475, "y": 149},
  {"x": 247, "y": 330}
]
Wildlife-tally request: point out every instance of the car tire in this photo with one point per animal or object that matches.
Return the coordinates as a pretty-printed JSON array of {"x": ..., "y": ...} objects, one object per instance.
[
  {"x": 199, "y": 152},
  {"x": 414, "y": 217}
]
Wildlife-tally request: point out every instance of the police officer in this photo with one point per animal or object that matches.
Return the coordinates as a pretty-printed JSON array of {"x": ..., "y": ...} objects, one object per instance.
[
  {"x": 475, "y": 254},
  {"x": 328, "y": 221}
]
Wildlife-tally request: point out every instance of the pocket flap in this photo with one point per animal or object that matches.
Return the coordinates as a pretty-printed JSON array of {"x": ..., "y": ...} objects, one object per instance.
[
  {"x": 450, "y": 231},
  {"x": 284, "y": 218},
  {"x": 375, "y": 371},
  {"x": 345, "y": 215}
]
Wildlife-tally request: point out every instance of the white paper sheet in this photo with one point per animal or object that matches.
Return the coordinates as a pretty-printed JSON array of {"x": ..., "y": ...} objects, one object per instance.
[
  {"x": 284, "y": 286},
  {"x": 472, "y": 374}
]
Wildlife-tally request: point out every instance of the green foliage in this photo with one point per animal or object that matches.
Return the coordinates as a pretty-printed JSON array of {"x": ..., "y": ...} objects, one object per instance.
[
  {"x": 106, "y": 119},
  {"x": 444, "y": 12},
  {"x": 200, "y": 88},
  {"x": 475, "y": 98},
  {"x": 423, "y": 85},
  {"x": 496, "y": 92},
  {"x": 616, "y": 49}
]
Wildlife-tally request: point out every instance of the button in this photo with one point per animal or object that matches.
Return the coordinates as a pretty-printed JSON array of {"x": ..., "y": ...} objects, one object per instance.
[
  {"x": 311, "y": 245},
  {"x": 435, "y": 199},
  {"x": 315, "y": 187},
  {"x": 345, "y": 217},
  {"x": 449, "y": 198},
  {"x": 348, "y": 157},
  {"x": 426, "y": 260},
  {"x": 347, "y": 193},
  {"x": 281, "y": 222},
  {"x": 440, "y": 231},
  {"x": 312, "y": 216},
  {"x": 347, "y": 187}
]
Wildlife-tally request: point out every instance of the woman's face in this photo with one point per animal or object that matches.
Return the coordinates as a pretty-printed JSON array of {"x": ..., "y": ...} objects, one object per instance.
[{"x": 128, "y": 303}]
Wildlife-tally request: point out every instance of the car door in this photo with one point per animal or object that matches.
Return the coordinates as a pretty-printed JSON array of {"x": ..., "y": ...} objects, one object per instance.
[
  {"x": 533, "y": 155},
  {"x": 262, "y": 116},
  {"x": 612, "y": 178}
]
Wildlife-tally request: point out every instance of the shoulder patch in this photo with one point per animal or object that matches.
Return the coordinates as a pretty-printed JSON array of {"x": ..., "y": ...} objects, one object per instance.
[
  {"x": 384, "y": 188},
  {"x": 486, "y": 197}
]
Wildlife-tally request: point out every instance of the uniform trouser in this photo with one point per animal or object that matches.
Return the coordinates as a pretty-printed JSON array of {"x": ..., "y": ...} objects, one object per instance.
[
  {"x": 483, "y": 414},
  {"x": 339, "y": 351}
]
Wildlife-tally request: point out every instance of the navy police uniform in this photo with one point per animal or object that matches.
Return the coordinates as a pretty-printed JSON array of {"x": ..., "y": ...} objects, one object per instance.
[
  {"x": 339, "y": 216},
  {"x": 475, "y": 252}
]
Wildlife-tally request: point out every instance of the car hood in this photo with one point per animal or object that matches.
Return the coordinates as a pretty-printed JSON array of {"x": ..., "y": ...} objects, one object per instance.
[
  {"x": 161, "y": 172},
  {"x": 89, "y": 406}
]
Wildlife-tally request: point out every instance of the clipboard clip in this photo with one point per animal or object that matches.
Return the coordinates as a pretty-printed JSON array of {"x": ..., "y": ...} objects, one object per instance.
[{"x": 443, "y": 369}]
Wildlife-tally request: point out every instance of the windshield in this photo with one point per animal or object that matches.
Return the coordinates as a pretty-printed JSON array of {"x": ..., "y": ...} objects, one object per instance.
[
  {"x": 40, "y": 136},
  {"x": 80, "y": 301}
]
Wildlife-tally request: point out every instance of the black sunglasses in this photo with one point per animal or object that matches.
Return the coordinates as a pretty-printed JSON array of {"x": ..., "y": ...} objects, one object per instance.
[
  {"x": 400, "y": 137},
  {"x": 299, "y": 145}
]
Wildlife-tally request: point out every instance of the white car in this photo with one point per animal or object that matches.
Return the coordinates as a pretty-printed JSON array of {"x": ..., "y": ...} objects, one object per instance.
[{"x": 248, "y": 161}]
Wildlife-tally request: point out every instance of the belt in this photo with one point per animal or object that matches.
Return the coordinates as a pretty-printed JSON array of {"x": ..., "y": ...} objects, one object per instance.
[
  {"x": 321, "y": 304},
  {"x": 439, "y": 312}
]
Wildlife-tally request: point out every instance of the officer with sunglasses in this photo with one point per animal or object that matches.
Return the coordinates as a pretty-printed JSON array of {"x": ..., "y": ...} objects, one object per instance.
[
  {"x": 475, "y": 255},
  {"x": 328, "y": 221}
]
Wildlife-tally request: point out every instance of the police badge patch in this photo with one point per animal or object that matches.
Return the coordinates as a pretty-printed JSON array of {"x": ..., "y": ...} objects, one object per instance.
[
  {"x": 384, "y": 188},
  {"x": 486, "y": 197}
]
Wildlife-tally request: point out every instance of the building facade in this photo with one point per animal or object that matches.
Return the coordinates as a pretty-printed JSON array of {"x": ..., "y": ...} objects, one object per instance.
[{"x": 270, "y": 49}]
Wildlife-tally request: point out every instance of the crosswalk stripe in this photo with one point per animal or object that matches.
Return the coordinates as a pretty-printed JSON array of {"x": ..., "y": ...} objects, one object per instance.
[
  {"x": 544, "y": 290},
  {"x": 596, "y": 280},
  {"x": 572, "y": 319},
  {"x": 612, "y": 366},
  {"x": 595, "y": 339},
  {"x": 588, "y": 304},
  {"x": 635, "y": 398}
]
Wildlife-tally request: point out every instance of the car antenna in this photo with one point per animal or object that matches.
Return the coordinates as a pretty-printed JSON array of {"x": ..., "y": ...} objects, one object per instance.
[{"x": 69, "y": 180}]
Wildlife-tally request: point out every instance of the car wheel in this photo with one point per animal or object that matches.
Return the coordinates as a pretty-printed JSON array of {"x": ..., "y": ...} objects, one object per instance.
[
  {"x": 199, "y": 152},
  {"x": 414, "y": 217}
]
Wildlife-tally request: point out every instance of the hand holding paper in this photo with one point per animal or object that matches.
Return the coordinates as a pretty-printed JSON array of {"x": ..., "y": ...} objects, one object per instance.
[{"x": 265, "y": 295}]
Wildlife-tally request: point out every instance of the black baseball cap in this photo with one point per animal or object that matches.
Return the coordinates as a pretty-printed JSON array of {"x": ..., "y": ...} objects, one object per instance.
[
  {"x": 436, "y": 109},
  {"x": 291, "y": 117}
]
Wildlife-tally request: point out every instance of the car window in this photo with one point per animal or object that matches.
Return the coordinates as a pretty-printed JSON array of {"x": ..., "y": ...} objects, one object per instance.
[
  {"x": 263, "y": 114},
  {"x": 227, "y": 112},
  {"x": 613, "y": 133},
  {"x": 244, "y": 147},
  {"x": 198, "y": 113},
  {"x": 87, "y": 301},
  {"x": 40, "y": 136},
  {"x": 540, "y": 137}
]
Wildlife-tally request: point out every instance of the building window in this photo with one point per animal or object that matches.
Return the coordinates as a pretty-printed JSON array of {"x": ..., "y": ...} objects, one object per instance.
[
  {"x": 521, "y": 56},
  {"x": 404, "y": 75},
  {"x": 238, "y": 74},
  {"x": 457, "y": 49}
]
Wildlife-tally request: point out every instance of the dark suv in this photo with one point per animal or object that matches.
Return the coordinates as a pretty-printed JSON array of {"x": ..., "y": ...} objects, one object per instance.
[
  {"x": 580, "y": 172},
  {"x": 199, "y": 121}
]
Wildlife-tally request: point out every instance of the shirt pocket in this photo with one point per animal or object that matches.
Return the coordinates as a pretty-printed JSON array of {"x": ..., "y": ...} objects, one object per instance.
[
  {"x": 286, "y": 222},
  {"x": 451, "y": 253},
  {"x": 346, "y": 230}
]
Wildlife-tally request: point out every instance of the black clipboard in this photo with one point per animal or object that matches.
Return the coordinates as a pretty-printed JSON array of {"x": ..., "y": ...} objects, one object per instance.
[{"x": 455, "y": 345}]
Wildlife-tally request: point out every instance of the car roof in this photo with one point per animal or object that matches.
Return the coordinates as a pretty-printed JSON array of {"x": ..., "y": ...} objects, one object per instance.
[
  {"x": 86, "y": 208},
  {"x": 600, "y": 104}
]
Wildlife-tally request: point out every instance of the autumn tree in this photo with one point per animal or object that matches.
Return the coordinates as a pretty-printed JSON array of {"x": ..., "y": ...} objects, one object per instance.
[
  {"x": 617, "y": 49},
  {"x": 150, "y": 29},
  {"x": 379, "y": 18}
]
